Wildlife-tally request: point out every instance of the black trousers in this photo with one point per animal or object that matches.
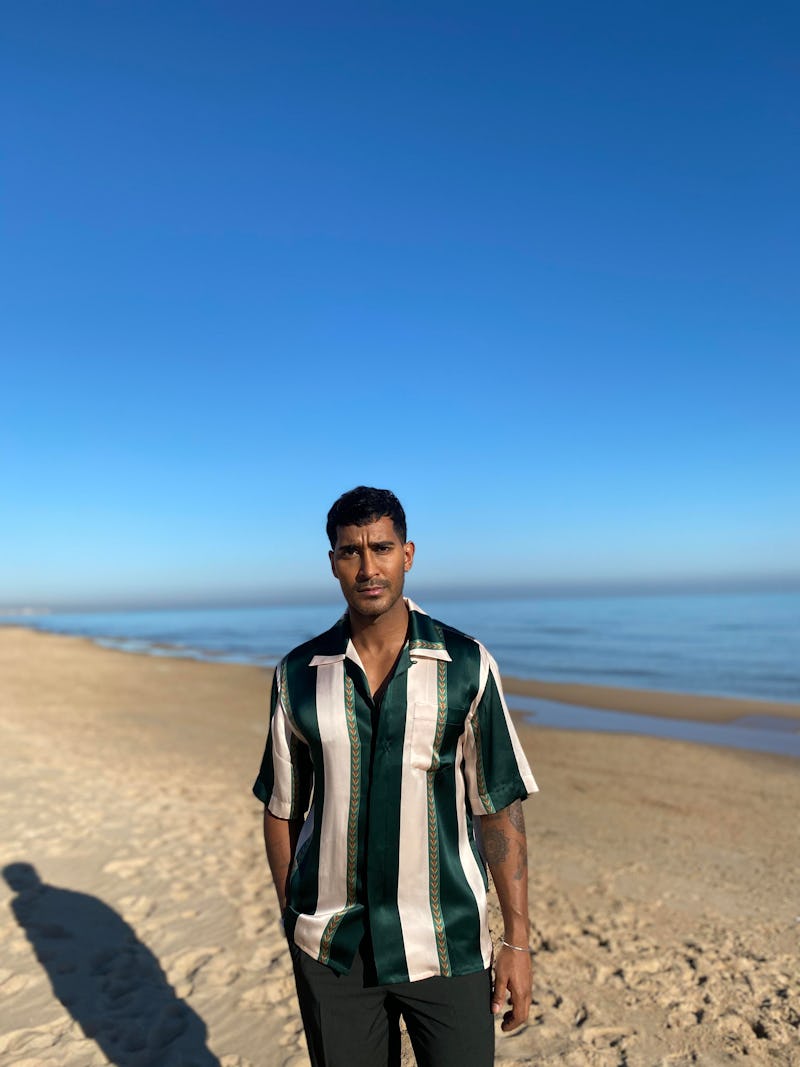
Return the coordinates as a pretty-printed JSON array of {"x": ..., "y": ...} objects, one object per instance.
[{"x": 351, "y": 1021}]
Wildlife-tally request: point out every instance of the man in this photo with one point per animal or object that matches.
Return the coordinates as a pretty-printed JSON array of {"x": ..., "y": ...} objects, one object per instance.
[{"x": 391, "y": 772}]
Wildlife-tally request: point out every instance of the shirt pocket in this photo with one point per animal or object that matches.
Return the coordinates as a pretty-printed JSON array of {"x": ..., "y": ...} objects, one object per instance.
[{"x": 426, "y": 752}]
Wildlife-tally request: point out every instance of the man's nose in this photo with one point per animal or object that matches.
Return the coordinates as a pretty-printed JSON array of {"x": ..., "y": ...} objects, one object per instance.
[{"x": 367, "y": 564}]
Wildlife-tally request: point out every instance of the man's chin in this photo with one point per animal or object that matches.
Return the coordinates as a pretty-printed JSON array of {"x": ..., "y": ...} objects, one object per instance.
[{"x": 371, "y": 607}]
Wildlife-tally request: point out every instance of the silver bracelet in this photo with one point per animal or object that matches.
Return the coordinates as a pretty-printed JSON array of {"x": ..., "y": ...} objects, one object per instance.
[{"x": 517, "y": 948}]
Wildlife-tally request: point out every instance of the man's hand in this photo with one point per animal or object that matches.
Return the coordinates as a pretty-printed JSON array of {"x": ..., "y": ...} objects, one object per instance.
[{"x": 512, "y": 980}]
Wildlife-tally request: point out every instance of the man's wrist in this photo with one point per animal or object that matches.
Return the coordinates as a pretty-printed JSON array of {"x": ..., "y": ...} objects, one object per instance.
[
  {"x": 516, "y": 948},
  {"x": 518, "y": 931}
]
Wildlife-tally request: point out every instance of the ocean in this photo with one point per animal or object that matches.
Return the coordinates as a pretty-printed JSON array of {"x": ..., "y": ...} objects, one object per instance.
[{"x": 741, "y": 645}]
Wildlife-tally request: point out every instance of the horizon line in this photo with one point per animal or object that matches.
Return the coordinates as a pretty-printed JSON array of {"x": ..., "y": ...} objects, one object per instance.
[{"x": 787, "y": 583}]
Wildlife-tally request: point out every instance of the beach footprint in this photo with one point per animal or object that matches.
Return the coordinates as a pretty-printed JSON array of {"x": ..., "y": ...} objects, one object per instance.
[{"x": 275, "y": 993}]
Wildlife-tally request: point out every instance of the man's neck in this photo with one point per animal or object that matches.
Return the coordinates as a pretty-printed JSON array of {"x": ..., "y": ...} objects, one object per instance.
[{"x": 382, "y": 635}]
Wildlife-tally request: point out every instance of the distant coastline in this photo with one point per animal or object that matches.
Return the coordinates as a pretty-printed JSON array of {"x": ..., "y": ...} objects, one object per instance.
[
  {"x": 769, "y": 727},
  {"x": 745, "y": 646}
]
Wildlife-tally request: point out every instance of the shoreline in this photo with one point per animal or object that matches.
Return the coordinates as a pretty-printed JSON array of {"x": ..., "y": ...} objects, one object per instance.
[{"x": 695, "y": 707}]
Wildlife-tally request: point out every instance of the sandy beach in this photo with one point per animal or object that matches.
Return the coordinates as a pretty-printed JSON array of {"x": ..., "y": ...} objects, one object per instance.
[{"x": 139, "y": 925}]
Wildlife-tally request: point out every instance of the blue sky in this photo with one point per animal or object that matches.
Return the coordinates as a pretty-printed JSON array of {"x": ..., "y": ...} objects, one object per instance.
[{"x": 533, "y": 266}]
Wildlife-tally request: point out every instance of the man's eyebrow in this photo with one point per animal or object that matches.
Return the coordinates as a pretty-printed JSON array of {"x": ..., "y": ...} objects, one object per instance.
[{"x": 354, "y": 546}]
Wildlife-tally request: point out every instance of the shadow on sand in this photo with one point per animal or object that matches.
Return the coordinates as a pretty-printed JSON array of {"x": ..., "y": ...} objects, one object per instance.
[{"x": 110, "y": 983}]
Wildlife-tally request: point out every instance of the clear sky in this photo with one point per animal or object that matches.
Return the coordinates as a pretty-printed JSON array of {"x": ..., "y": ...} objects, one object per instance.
[{"x": 533, "y": 266}]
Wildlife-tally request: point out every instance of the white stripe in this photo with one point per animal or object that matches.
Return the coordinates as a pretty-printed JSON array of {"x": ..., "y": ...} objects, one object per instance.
[
  {"x": 413, "y": 890},
  {"x": 280, "y": 799},
  {"x": 332, "y": 883},
  {"x": 469, "y": 864},
  {"x": 470, "y": 749}
]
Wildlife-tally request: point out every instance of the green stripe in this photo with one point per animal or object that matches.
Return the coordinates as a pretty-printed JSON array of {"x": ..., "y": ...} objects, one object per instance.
[
  {"x": 383, "y": 852},
  {"x": 424, "y": 632},
  {"x": 302, "y": 681},
  {"x": 459, "y": 907},
  {"x": 463, "y": 673},
  {"x": 285, "y": 699},
  {"x": 265, "y": 782},
  {"x": 497, "y": 762}
]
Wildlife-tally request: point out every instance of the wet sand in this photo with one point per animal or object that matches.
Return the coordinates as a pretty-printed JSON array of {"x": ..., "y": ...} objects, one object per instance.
[
  {"x": 139, "y": 925},
  {"x": 652, "y": 702}
]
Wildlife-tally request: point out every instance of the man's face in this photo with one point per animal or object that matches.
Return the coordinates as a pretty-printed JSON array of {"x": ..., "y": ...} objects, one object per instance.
[{"x": 371, "y": 562}]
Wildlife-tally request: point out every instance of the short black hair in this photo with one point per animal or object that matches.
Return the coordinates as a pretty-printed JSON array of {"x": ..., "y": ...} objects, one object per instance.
[{"x": 363, "y": 505}]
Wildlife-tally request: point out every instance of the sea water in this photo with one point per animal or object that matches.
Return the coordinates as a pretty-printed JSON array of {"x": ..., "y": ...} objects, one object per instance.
[{"x": 741, "y": 645}]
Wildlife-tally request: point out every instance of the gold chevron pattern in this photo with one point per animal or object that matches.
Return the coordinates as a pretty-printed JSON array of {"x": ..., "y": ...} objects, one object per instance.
[
  {"x": 355, "y": 787},
  {"x": 441, "y": 719},
  {"x": 327, "y": 937},
  {"x": 483, "y": 792},
  {"x": 434, "y": 882},
  {"x": 295, "y": 777}
]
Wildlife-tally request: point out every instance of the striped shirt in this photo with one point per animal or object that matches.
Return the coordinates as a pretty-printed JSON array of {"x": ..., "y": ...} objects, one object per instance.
[{"x": 389, "y": 795}]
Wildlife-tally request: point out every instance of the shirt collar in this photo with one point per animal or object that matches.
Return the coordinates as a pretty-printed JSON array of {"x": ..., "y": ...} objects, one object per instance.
[{"x": 425, "y": 640}]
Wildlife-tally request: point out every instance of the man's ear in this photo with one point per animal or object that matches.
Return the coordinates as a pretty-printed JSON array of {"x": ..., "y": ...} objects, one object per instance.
[
  {"x": 333, "y": 564},
  {"x": 408, "y": 549}
]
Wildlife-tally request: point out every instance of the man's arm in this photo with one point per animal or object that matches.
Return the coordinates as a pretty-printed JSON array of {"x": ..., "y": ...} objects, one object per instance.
[
  {"x": 501, "y": 838},
  {"x": 280, "y": 840}
]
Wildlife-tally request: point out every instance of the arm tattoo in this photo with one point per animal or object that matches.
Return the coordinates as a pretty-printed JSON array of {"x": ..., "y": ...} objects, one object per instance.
[
  {"x": 495, "y": 844},
  {"x": 496, "y": 841},
  {"x": 515, "y": 816},
  {"x": 522, "y": 865}
]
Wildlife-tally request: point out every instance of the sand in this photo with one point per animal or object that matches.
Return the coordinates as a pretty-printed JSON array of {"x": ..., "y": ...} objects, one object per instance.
[
  {"x": 699, "y": 708},
  {"x": 139, "y": 926}
]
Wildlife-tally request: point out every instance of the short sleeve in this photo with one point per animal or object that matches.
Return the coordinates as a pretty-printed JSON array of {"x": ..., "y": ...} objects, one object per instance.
[
  {"x": 284, "y": 778},
  {"x": 495, "y": 765}
]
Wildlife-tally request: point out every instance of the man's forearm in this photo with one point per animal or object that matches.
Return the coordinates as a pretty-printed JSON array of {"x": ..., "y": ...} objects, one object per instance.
[
  {"x": 505, "y": 849},
  {"x": 501, "y": 837},
  {"x": 280, "y": 840}
]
